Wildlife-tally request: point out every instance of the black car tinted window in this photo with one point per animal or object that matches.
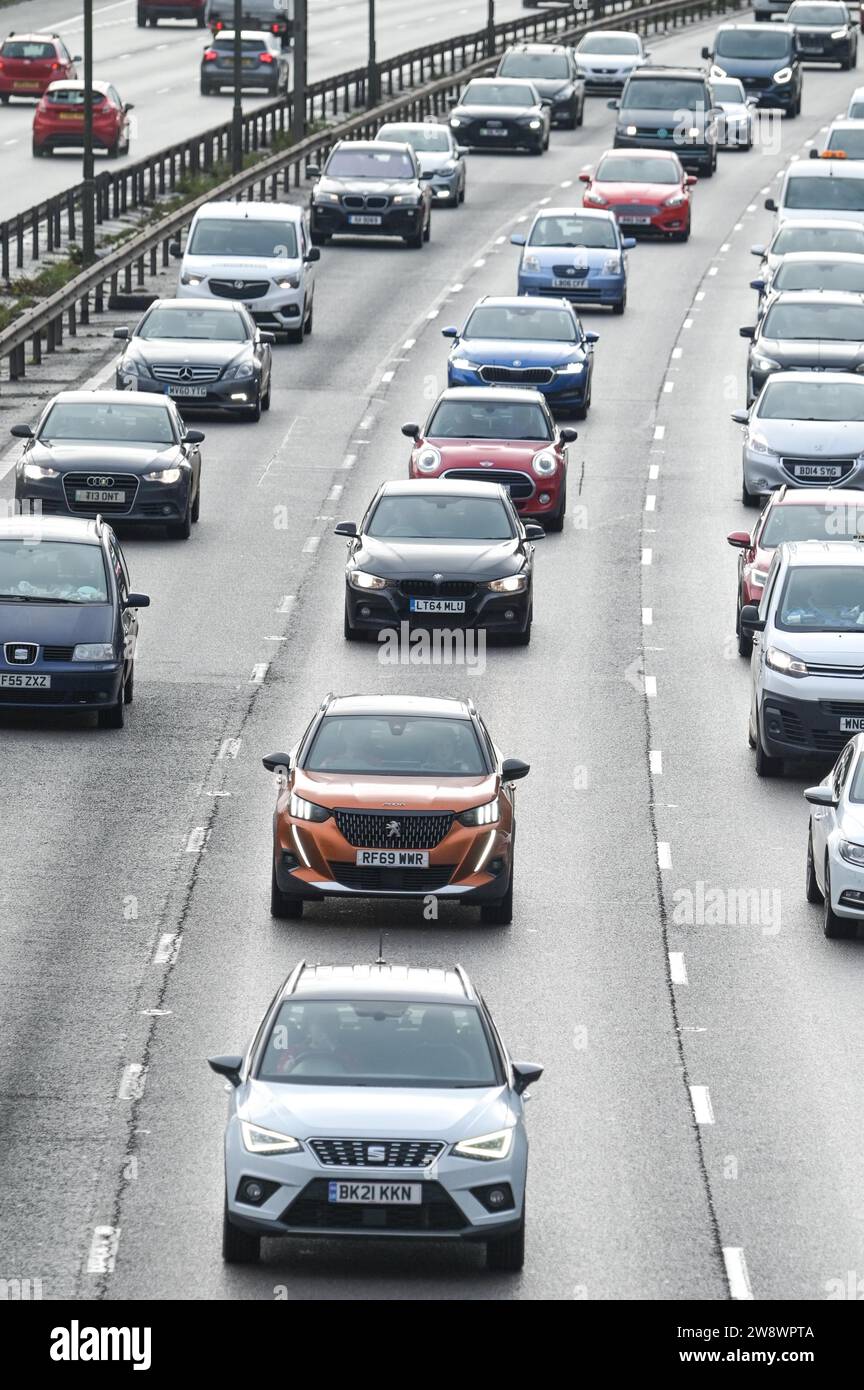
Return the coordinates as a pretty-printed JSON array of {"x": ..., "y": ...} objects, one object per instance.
[
  {"x": 22, "y": 48},
  {"x": 396, "y": 746},
  {"x": 794, "y": 238},
  {"x": 839, "y": 193},
  {"x": 826, "y": 400},
  {"x": 485, "y": 420},
  {"x": 610, "y": 43},
  {"x": 822, "y": 599},
  {"x": 401, "y": 517},
  {"x": 753, "y": 43},
  {"x": 206, "y": 325},
  {"x": 109, "y": 422},
  {"x": 432, "y": 139},
  {"x": 563, "y": 230},
  {"x": 496, "y": 94},
  {"x": 812, "y": 521},
  {"x": 370, "y": 164},
  {"x": 850, "y": 141},
  {"x": 638, "y": 168},
  {"x": 666, "y": 94},
  {"x": 819, "y": 275},
  {"x": 535, "y": 65},
  {"x": 528, "y": 323},
  {"x": 836, "y": 322},
  {"x": 817, "y": 14}
]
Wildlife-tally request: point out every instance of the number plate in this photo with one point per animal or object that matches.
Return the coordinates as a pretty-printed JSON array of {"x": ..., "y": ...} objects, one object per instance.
[
  {"x": 437, "y": 605},
  {"x": 187, "y": 391},
  {"x": 27, "y": 86},
  {"x": 378, "y": 1194},
  {"x": 817, "y": 470},
  {"x": 635, "y": 221},
  {"x": 20, "y": 681},
  {"x": 364, "y": 220},
  {"x": 88, "y": 494},
  {"x": 393, "y": 858},
  {"x": 852, "y": 724},
  {"x": 569, "y": 284},
  {"x": 491, "y": 130}
]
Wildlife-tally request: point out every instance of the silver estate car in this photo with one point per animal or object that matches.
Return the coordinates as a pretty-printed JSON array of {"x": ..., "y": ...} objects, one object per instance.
[{"x": 376, "y": 1101}]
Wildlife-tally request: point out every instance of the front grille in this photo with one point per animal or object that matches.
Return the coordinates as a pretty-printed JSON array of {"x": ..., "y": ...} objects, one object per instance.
[
  {"x": 436, "y": 1212},
  {"x": 793, "y": 729},
  {"x": 829, "y": 741},
  {"x": 184, "y": 373},
  {"x": 378, "y": 880},
  {"x": 512, "y": 376},
  {"x": 397, "y": 1153},
  {"x": 57, "y": 653},
  {"x": 448, "y": 588},
  {"x": 843, "y": 709},
  {"x": 563, "y": 272},
  {"x": 369, "y": 829},
  {"x": 816, "y": 668},
  {"x": 519, "y": 485},
  {"x": 635, "y": 210},
  {"x": 28, "y": 653},
  {"x": 375, "y": 202},
  {"x": 239, "y": 289},
  {"x": 126, "y": 483}
]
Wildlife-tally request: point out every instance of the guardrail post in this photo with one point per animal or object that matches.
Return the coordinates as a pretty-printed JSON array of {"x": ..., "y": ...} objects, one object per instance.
[
  {"x": 35, "y": 237},
  {"x": 4, "y": 253},
  {"x": 37, "y": 349},
  {"x": 73, "y": 321},
  {"x": 70, "y": 215},
  {"x": 373, "y": 88},
  {"x": 85, "y": 308}
]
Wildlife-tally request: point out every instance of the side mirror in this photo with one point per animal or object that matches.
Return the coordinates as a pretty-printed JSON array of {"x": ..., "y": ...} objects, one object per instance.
[
  {"x": 345, "y": 528},
  {"x": 312, "y": 255},
  {"x": 265, "y": 336},
  {"x": 820, "y": 796},
  {"x": 227, "y": 1066},
  {"x": 411, "y": 431},
  {"x": 22, "y": 431},
  {"x": 750, "y": 620},
  {"x": 747, "y": 332},
  {"x": 517, "y": 239},
  {"x": 592, "y": 338},
  {"x": 174, "y": 249},
  {"x": 628, "y": 243},
  {"x": 450, "y": 332},
  {"x": 741, "y": 417},
  {"x": 757, "y": 250},
  {"x": 137, "y": 601},
  {"x": 706, "y": 53},
  {"x": 585, "y": 176},
  {"x": 689, "y": 180},
  {"x": 524, "y": 1074},
  {"x": 129, "y": 106},
  {"x": 77, "y": 58},
  {"x": 613, "y": 104},
  {"x": 757, "y": 285},
  {"x": 463, "y": 149},
  {"x": 770, "y": 205},
  {"x": 313, "y": 171},
  {"x": 533, "y": 532},
  {"x": 121, "y": 333},
  {"x": 513, "y": 769},
  {"x": 739, "y": 539},
  {"x": 274, "y": 762},
  {"x": 194, "y": 436},
  {"x": 567, "y": 434},
  {"x": 814, "y": 153},
  {"x": 426, "y": 175}
]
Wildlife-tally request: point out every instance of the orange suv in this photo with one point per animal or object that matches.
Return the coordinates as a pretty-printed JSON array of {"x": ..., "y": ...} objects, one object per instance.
[{"x": 395, "y": 797}]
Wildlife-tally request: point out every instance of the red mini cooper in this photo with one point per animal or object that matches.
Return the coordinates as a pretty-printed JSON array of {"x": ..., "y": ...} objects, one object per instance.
[{"x": 501, "y": 435}]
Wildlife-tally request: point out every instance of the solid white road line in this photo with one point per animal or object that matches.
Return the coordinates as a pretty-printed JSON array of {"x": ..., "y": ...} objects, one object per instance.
[
  {"x": 655, "y": 762},
  {"x": 646, "y": 557},
  {"x": 647, "y": 617},
  {"x": 103, "y": 1250},
  {"x": 167, "y": 948},
  {"x": 677, "y": 968},
  {"x": 664, "y": 855},
  {"x": 736, "y": 1273},
  {"x": 703, "y": 1111},
  {"x": 132, "y": 1082}
]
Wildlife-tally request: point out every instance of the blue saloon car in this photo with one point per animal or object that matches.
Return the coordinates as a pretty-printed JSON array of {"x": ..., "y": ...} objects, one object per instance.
[{"x": 577, "y": 254}]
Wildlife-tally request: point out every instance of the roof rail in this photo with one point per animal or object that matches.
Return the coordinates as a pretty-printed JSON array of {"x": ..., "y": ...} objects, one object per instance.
[
  {"x": 100, "y": 524},
  {"x": 327, "y": 698},
  {"x": 465, "y": 982},
  {"x": 291, "y": 982},
  {"x": 470, "y": 705}
]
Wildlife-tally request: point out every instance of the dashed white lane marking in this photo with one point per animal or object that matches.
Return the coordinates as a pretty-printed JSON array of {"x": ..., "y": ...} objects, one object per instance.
[
  {"x": 366, "y": 423},
  {"x": 751, "y": 207},
  {"x": 724, "y": 247},
  {"x": 700, "y": 1099},
  {"x": 196, "y": 839},
  {"x": 566, "y": 183},
  {"x": 311, "y": 544},
  {"x": 736, "y": 1273},
  {"x": 479, "y": 264},
  {"x": 677, "y": 968},
  {"x": 433, "y": 313},
  {"x": 659, "y": 431},
  {"x": 167, "y": 948},
  {"x": 650, "y": 502},
  {"x": 677, "y": 352},
  {"x": 10, "y": 142},
  {"x": 646, "y": 556},
  {"x": 335, "y": 493},
  {"x": 650, "y": 687},
  {"x": 541, "y": 203},
  {"x": 664, "y": 855},
  {"x": 668, "y": 386},
  {"x": 160, "y": 47},
  {"x": 655, "y": 762},
  {"x": 767, "y": 186},
  {"x": 712, "y": 270},
  {"x": 688, "y": 323},
  {"x": 653, "y": 472},
  {"x": 500, "y": 240},
  {"x": 286, "y": 604},
  {"x": 647, "y": 617},
  {"x": 387, "y": 376},
  {"x": 699, "y": 296},
  {"x": 103, "y": 1250},
  {"x": 455, "y": 289},
  {"x": 408, "y": 344},
  {"x": 229, "y": 748},
  {"x": 161, "y": 91},
  {"x": 259, "y": 671},
  {"x": 132, "y": 1082},
  {"x": 349, "y": 460},
  {"x": 738, "y": 226}
]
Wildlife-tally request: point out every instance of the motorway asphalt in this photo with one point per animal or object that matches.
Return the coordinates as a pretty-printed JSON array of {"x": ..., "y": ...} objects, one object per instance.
[
  {"x": 136, "y": 929},
  {"x": 157, "y": 69}
]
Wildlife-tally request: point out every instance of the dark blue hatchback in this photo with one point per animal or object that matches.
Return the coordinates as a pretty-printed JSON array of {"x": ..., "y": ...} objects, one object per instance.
[{"x": 68, "y": 621}]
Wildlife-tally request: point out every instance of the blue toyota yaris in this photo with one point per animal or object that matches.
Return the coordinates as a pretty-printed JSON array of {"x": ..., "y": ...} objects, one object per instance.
[
  {"x": 525, "y": 342},
  {"x": 577, "y": 254}
]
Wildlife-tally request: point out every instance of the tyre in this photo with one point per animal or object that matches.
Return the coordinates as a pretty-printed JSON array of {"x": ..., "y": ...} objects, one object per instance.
[
  {"x": 682, "y": 236},
  {"x": 205, "y": 89},
  {"x": 238, "y": 1247},
  {"x": 200, "y": 20},
  {"x": 766, "y": 766},
  {"x": 265, "y": 399},
  {"x": 129, "y": 686},
  {"x": 196, "y": 505},
  {"x": 812, "y": 890},
  {"x": 350, "y": 633},
  {"x": 835, "y": 928},
  {"x": 522, "y": 639},
  {"x": 507, "y": 1253},
  {"x": 114, "y": 716},
  {"x": 556, "y": 523},
  {"x": 415, "y": 243},
  {"x": 750, "y": 499},
  {"x": 461, "y": 199},
  {"x": 182, "y": 530},
  {"x": 141, "y": 18},
  {"x": 4, "y": 97},
  {"x": 499, "y": 914},
  {"x": 253, "y": 413},
  {"x": 427, "y": 232},
  {"x": 308, "y": 325},
  {"x": 621, "y": 305},
  {"x": 582, "y": 410},
  {"x": 745, "y": 639},
  {"x": 113, "y": 151},
  {"x": 319, "y": 239},
  {"x": 285, "y": 906},
  {"x": 537, "y": 149},
  {"x": 39, "y": 151},
  {"x": 580, "y": 114}
]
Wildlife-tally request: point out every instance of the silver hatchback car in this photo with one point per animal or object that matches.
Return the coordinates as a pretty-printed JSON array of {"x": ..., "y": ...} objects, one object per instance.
[{"x": 376, "y": 1101}]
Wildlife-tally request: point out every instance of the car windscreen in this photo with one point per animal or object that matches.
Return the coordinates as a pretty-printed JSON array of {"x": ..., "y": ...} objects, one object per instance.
[
  {"x": 609, "y": 43},
  {"x": 820, "y": 598},
  {"x": 638, "y": 168},
  {"x": 817, "y": 14},
  {"x": 856, "y": 789},
  {"x": 564, "y": 230},
  {"x": 496, "y": 94},
  {"x": 243, "y": 236},
  {"x": 427, "y": 139},
  {"x": 22, "y": 48},
  {"x": 456, "y": 419},
  {"x": 528, "y": 324},
  {"x": 792, "y": 238},
  {"x": 752, "y": 43},
  {"x": 819, "y": 275},
  {"x": 819, "y": 400},
  {"x": 378, "y": 1042},
  {"x": 369, "y": 164},
  {"x": 856, "y": 111},
  {"x": 107, "y": 422},
  {"x": 840, "y": 194},
  {"x": 542, "y": 65},
  {"x": 812, "y": 521},
  {"x": 847, "y": 140},
  {"x": 665, "y": 94},
  {"x": 205, "y": 325},
  {"x": 809, "y": 322},
  {"x": 405, "y": 518},
  {"x": 730, "y": 92},
  {"x": 40, "y": 570},
  {"x": 389, "y": 745}
]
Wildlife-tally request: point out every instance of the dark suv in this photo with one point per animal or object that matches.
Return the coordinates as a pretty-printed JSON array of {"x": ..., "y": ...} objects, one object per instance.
[
  {"x": 553, "y": 70},
  {"x": 826, "y": 32},
  {"x": 765, "y": 59},
  {"x": 371, "y": 188},
  {"x": 68, "y": 621},
  {"x": 669, "y": 109}
]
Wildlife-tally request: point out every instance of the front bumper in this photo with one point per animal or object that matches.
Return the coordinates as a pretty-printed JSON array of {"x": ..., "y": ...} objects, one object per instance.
[
  {"x": 515, "y": 137},
  {"x": 771, "y": 97},
  {"x": 608, "y": 80},
  {"x": 279, "y": 308},
  {"x": 219, "y": 395},
  {"x": 692, "y": 154},
  {"x": 662, "y": 219},
  {"x": 847, "y": 880},
  {"x": 566, "y": 391},
  {"x": 445, "y": 187},
  {"x": 328, "y": 219},
  {"x": 598, "y": 288},
  {"x": 824, "y": 49},
  {"x": 154, "y": 504},
  {"x": 794, "y": 725},
  {"x": 764, "y": 473},
  {"x": 382, "y": 609},
  {"x": 80, "y": 685}
]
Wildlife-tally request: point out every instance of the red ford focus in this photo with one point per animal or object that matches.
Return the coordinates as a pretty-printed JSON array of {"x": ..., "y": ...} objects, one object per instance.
[
  {"x": 647, "y": 190},
  {"x": 495, "y": 434},
  {"x": 58, "y": 122},
  {"x": 30, "y": 62}
]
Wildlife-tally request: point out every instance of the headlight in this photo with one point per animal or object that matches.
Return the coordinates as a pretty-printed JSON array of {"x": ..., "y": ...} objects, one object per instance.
[
  {"x": 544, "y": 464},
  {"x": 187, "y": 278},
  {"x": 570, "y": 369},
  {"x": 428, "y": 459},
  {"x": 765, "y": 364},
  {"x": 266, "y": 1141},
  {"x": 784, "y": 663},
  {"x": 838, "y": 33},
  {"x": 534, "y": 125},
  {"x": 612, "y": 265},
  {"x": 512, "y": 584},
  {"x": 759, "y": 444},
  {"x": 409, "y": 200},
  {"x": 38, "y": 470},
  {"x": 593, "y": 197},
  {"x": 163, "y": 475},
  {"x": 133, "y": 366},
  {"x": 531, "y": 263},
  {"x": 630, "y": 130},
  {"x": 455, "y": 120},
  {"x": 693, "y": 133},
  {"x": 853, "y": 854},
  {"x": 449, "y": 167},
  {"x": 359, "y": 579},
  {"x": 486, "y": 814},
  {"x": 676, "y": 200},
  {"x": 325, "y": 197},
  {"x": 240, "y": 372},
  {"x": 783, "y": 75},
  {"x": 306, "y": 810},
  {"x": 93, "y": 651},
  {"x": 288, "y": 282},
  {"x": 463, "y": 365},
  {"x": 497, "y": 1145}
]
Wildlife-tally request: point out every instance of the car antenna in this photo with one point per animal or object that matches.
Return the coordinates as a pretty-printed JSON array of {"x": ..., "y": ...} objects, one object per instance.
[{"x": 381, "y": 960}]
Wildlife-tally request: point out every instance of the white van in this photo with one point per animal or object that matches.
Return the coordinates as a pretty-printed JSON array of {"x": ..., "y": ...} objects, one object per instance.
[
  {"x": 257, "y": 253},
  {"x": 817, "y": 188}
]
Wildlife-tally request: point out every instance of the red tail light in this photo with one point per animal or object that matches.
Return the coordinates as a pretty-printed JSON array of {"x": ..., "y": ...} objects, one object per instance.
[
  {"x": 57, "y": 67},
  {"x": 220, "y": 24},
  {"x": 275, "y": 28},
  {"x": 210, "y": 55},
  {"x": 265, "y": 57}
]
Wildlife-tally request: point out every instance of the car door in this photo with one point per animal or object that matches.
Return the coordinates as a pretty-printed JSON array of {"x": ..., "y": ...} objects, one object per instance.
[
  {"x": 192, "y": 452},
  {"x": 128, "y": 616}
]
